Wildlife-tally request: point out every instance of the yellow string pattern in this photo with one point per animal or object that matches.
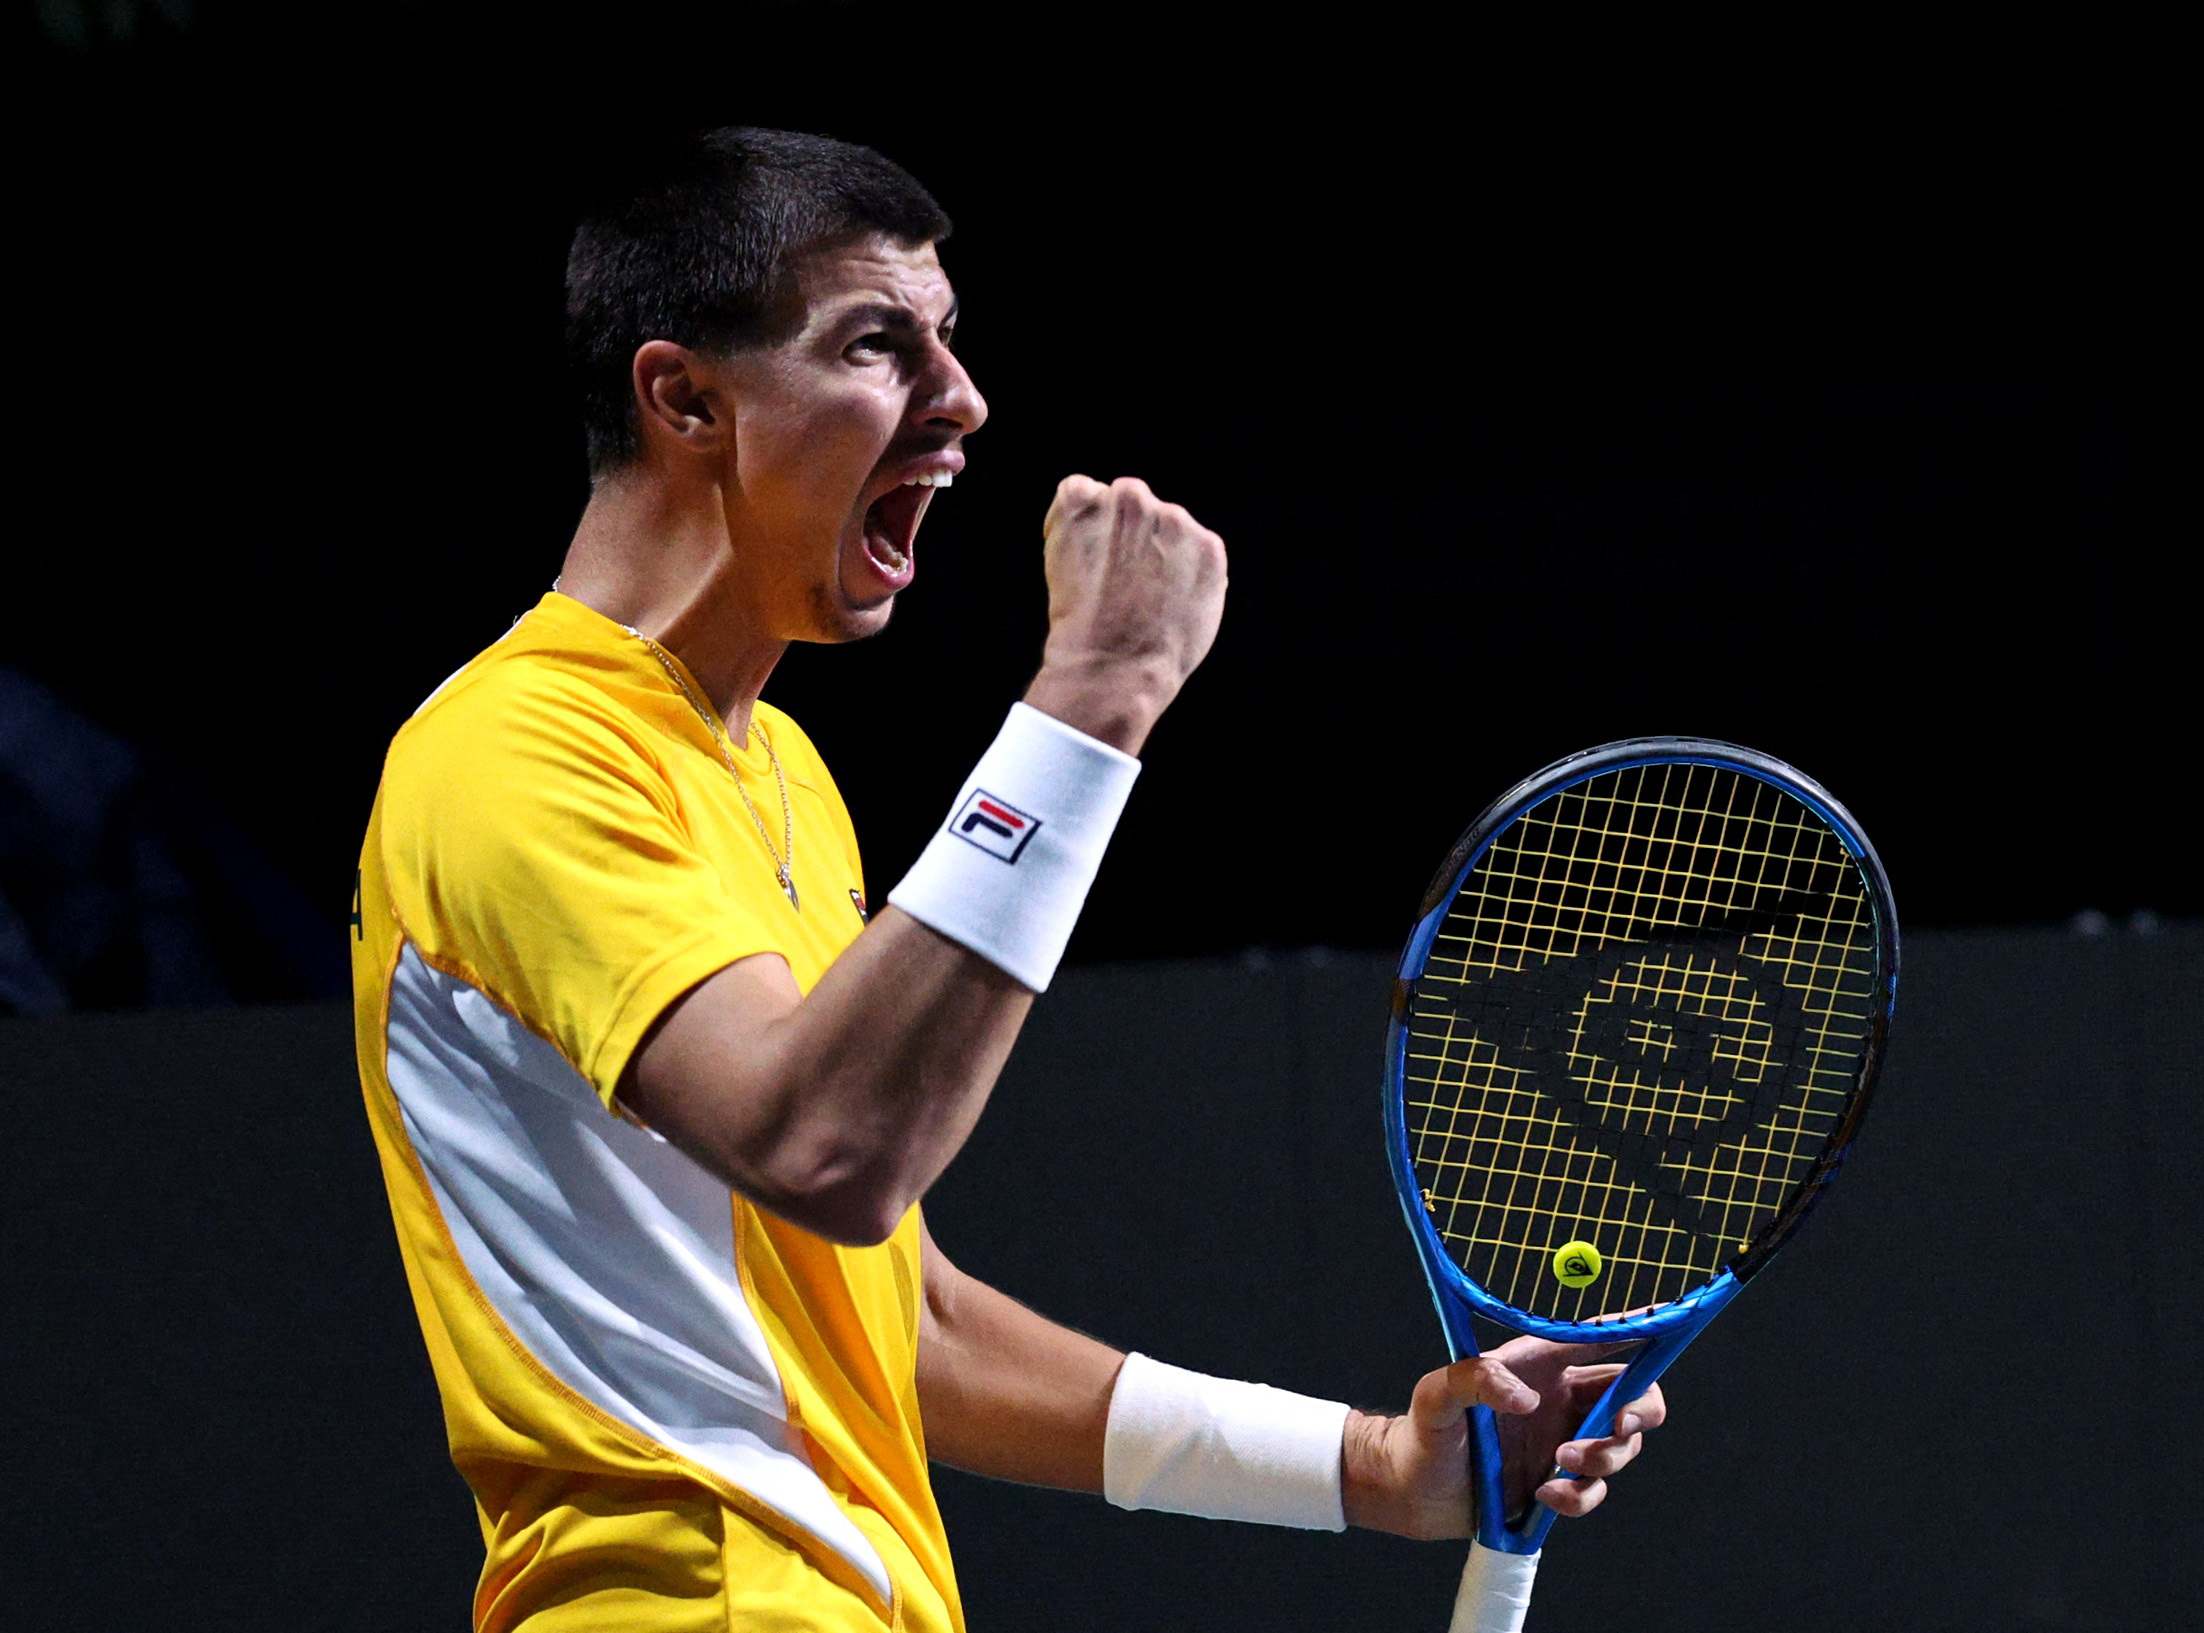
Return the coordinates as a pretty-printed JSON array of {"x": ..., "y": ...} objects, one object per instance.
[{"x": 1643, "y": 1018}]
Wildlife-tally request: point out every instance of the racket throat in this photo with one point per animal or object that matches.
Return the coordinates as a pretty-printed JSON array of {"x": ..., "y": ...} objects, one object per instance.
[{"x": 1526, "y": 1533}]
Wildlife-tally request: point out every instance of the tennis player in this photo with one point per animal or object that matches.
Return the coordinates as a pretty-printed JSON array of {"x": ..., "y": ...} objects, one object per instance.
[{"x": 657, "y": 1104}]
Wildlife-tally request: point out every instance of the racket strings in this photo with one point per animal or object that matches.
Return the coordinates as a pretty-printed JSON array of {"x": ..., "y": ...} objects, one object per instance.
[{"x": 1642, "y": 1021}]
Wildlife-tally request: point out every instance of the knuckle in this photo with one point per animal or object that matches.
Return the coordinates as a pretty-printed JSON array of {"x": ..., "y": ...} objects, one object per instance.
[
  {"x": 1134, "y": 499},
  {"x": 1581, "y": 1497}
]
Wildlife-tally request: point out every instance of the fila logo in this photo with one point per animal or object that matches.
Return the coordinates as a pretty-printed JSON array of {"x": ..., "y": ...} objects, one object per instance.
[{"x": 995, "y": 825}]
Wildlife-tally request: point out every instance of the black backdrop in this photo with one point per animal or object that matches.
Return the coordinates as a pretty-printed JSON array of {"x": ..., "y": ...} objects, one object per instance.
[
  {"x": 1956, "y": 1403},
  {"x": 1548, "y": 390}
]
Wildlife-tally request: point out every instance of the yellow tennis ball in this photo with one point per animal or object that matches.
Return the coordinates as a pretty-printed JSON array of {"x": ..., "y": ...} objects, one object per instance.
[{"x": 1576, "y": 1264}]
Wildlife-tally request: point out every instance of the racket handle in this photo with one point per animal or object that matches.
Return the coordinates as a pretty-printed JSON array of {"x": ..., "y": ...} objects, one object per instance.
[{"x": 1496, "y": 1591}]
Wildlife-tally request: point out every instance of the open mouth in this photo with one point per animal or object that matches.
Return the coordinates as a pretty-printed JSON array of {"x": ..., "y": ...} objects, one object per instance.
[{"x": 891, "y": 525}]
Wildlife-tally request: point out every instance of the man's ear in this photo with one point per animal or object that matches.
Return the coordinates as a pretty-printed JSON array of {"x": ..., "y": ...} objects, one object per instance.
[{"x": 676, "y": 398}]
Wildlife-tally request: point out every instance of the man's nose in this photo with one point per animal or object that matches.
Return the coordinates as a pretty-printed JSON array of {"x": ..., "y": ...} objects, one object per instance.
[{"x": 954, "y": 402}]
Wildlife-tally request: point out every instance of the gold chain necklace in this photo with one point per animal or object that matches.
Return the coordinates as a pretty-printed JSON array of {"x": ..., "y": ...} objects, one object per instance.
[{"x": 784, "y": 859}]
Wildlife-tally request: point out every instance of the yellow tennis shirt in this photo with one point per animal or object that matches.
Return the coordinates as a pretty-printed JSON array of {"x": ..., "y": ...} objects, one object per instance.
[{"x": 676, "y": 1411}]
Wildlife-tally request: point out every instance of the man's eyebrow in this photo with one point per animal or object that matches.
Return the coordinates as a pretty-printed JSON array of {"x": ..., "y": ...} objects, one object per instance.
[{"x": 899, "y": 318}]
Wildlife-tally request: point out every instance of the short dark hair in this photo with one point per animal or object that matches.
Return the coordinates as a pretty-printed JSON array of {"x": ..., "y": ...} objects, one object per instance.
[{"x": 700, "y": 246}]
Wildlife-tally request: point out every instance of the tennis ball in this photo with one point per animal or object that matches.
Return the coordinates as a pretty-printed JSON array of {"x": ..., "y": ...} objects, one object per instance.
[{"x": 1576, "y": 1264}]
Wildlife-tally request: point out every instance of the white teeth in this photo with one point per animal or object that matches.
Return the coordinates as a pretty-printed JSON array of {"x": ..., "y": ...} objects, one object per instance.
[{"x": 934, "y": 479}]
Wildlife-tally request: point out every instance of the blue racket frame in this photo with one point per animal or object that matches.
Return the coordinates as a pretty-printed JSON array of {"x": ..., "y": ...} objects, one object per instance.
[{"x": 1670, "y": 1329}]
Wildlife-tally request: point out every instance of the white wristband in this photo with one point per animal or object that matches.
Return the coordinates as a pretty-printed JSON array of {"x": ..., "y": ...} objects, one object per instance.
[
  {"x": 1191, "y": 1444},
  {"x": 1010, "y": 869}
]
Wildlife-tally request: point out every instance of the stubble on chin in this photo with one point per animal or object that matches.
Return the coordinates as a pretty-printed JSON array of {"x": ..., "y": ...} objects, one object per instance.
[{"x": 835, "y": 621}]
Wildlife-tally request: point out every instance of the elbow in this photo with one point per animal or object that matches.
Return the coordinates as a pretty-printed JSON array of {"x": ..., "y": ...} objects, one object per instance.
[
  {"x": 850, "y": 1202},
  {"x": 852, "y": 1216},
  {"x": 851, "y": 1185}
]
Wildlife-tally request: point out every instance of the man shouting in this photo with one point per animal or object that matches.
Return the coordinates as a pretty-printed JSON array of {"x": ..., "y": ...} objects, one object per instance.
[{"x": 657, "y": 1106}]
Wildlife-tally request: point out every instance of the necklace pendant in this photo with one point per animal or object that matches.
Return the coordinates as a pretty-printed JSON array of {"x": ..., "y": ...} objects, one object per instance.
[{"x": 788, "y": 884}]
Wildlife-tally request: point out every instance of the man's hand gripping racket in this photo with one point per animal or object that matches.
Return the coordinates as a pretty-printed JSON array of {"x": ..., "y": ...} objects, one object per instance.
[{"x": 1635, "y": 1031}]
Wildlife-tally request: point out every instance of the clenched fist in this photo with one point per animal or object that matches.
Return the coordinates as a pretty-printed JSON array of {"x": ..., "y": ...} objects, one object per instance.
[{"x": 1135, "y": 591}]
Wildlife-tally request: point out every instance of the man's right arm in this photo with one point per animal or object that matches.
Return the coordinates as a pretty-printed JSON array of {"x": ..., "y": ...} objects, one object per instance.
[{"x": 837, "y": 1109}]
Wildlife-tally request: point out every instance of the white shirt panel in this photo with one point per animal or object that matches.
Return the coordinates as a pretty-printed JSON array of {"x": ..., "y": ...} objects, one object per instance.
[{"x": 605, "y": 1250}]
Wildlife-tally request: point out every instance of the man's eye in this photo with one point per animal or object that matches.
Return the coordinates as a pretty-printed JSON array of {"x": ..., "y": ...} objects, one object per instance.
[{"x": 877, "y": 345}]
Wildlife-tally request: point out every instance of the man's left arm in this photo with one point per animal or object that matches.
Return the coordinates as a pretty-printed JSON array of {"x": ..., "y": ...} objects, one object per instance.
[
  {"x": 1010, "y": 1394},
  {"x": 1005, "y": 1392}
]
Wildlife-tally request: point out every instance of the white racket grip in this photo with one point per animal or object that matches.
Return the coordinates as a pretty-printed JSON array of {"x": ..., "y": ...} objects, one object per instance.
[{"x": 1496, "y": 1591}]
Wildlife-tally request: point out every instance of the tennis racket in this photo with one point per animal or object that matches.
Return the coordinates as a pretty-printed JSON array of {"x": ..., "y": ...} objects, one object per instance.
[{"x": 1635, "y": 1031}]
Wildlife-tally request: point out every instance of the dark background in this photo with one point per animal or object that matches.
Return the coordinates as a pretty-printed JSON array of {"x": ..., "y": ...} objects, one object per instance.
[
  {"x": 1810, "y": 392},
  {"x": 1955, "y": 1405}
]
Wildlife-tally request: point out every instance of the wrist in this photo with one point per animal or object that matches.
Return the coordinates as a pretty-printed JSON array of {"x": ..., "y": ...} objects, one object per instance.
[
  {"x": 1007, "y": 874},
  {"x": 1190, "y": 1444},
  {"x": 1389, "y": 1481},
  {"x": 1364, "y": 1495},
  {"x": 1113, "y": 700}
]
